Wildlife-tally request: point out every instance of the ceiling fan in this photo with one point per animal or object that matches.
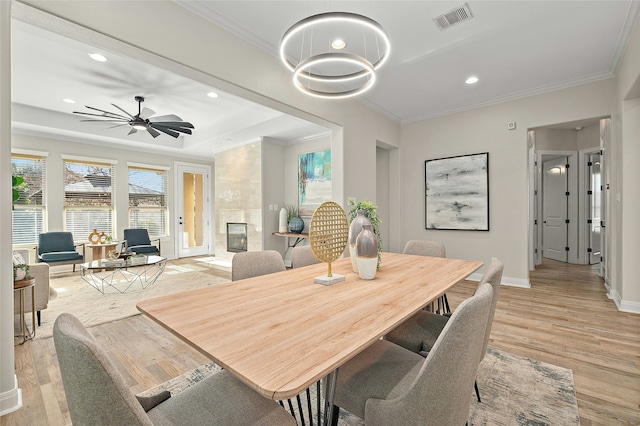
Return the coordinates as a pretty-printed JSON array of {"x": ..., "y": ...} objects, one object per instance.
[{"x": 170, "y": 124}]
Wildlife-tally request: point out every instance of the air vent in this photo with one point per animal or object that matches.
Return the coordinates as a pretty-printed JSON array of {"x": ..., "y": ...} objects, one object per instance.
[{"x": 453, "y": 17}]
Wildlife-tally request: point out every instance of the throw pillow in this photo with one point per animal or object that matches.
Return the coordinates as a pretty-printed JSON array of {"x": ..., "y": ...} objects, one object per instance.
[{"x": 18, "y": 259}]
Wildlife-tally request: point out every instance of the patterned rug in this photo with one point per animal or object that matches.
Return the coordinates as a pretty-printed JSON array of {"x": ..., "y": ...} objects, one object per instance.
[
  {"x": 514, "y": 391},
  {"x": 91, "y": 307}
]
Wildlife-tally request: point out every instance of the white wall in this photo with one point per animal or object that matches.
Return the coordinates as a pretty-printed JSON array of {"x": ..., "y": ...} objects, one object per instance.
[
  {"x": 485, "y": 130},
  {"x": 273, "y": 160},
  {"x": 626, "y": 175},
  {"x": 10, "y": 394}
]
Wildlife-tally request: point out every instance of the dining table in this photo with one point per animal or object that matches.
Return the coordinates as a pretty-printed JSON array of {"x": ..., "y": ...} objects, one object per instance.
[{"x": 281, "y": 333}]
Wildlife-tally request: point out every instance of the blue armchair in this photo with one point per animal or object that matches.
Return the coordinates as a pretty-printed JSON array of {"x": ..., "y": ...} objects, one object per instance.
[
  {"x": 58, "y": 248},
  {"x": 137, "y": 240}
]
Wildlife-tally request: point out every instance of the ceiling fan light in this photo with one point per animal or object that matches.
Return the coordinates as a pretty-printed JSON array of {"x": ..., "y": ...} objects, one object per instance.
[
  {"x": 98, "y": 57},
  {"x": 140, "y": 126}
]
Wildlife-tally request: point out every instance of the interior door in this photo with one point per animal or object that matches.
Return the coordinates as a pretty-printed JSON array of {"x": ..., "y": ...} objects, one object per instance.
[
  {"x": 595, "y": 207},
  {"x": 193, "y": 224},
  {"x": 555, "y": 209}
]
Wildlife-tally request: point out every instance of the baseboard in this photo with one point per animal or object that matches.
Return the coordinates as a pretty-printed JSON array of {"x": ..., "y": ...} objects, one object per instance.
[
  {"x": 512, "y": 282},
  {"x": 11, "y": 400},
  {"x": 624, "y": 305}
]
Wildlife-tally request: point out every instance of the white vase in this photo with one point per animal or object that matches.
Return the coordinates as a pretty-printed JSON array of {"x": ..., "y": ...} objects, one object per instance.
[
  {"x": 20, "y": 274},
  {"x": 282, "y": 221},
  {"x": 354, "y": 230},
  {"x": 367, "y": 253}
]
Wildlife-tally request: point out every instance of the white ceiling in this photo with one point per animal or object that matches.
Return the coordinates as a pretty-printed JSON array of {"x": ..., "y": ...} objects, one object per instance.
[{"x": 516, "y": 48}]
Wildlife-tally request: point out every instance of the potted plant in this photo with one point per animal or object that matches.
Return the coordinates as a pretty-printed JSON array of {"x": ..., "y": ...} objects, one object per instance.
[
  {"x": 20, "y": 272},
  {"x": 371, "y": 212},
  {"x": 296, "y": 224}
]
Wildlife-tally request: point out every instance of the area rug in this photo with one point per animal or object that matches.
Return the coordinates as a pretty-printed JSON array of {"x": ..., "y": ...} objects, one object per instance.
[
  {"x": 514, "y": 391},
  {"x": 91, "y": 307}
]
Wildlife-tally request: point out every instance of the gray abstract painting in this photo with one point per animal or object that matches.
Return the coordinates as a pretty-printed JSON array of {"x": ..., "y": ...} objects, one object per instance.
[{"x": 457, "y": 193}]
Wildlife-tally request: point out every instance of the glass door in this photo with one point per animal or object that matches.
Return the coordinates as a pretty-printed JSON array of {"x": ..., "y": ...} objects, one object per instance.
[{"x": 193, "y": 210}]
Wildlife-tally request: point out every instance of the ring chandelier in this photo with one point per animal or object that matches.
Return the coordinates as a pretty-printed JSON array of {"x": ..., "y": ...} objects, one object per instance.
[{"x": 334, "y": 55}]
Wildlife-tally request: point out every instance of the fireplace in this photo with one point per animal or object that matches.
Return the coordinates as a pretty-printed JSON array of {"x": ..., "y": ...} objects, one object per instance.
[{"x": 236, "y": 237}]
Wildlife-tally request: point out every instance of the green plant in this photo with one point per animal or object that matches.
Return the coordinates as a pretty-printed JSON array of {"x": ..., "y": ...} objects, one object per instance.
[
  {"x": 16, "y": 181},
  {"x": 371, "y": 212},
  {"x": 292, "y": 211},
  {"x": 21, "y": 266}
]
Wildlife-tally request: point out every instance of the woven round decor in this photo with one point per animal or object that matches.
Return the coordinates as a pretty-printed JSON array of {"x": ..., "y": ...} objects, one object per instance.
[{"x": 328, "y": 232}]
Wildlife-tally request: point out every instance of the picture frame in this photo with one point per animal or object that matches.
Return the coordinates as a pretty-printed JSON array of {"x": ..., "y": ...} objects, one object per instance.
[
  {"x": 314, "y": 180},
  {"x": 457, "y": 193}
]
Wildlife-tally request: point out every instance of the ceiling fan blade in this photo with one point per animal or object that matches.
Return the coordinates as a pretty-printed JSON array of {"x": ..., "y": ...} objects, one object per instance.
[
  {"x": 146, "y": 113},
  {"x": 114, "y": 116},
  {"x": 105, "y": 112},
  {"x": 132, "y": 131},
  {"x": 170, "y": 117},
  {"x": 114, "y": 120},
  {"x": 123, "y": 110},
  {"x": 153, "y": 132},
  {"x": 175, "y": 124},
  {"x": 161, "y": 126},
  {"x": 165, "y": 130},
  {"x": 117, "y": 125}
]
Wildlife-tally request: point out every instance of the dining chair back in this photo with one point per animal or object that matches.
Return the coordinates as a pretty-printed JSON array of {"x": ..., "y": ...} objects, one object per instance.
[
  {"x": 248, "y": 264},
  {"x": 425, "y": 248},
  {"x": 137, "y": 240},
  {"x": 420, "y": 332},
  {"x": 98, "y": 395},
  {"x": 434, "y": 249},
  {"x": 58, "y": 248},
  {"x": 388, "y": 385},
  {"x": 303, "y": 256}
]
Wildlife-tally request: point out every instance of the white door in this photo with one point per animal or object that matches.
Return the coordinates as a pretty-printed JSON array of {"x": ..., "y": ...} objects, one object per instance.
[
  {"x": 595, "y": 207},
  {"x": 554, "y": 209},
  {"x": 193, "y": 209}
]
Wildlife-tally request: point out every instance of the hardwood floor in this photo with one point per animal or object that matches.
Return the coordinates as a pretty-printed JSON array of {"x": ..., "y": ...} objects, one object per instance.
[{"x": 565, "y": 319}]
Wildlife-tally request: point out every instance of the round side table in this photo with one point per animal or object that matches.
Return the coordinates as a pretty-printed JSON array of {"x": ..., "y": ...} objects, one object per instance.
[{"x": 20, "y": 286}]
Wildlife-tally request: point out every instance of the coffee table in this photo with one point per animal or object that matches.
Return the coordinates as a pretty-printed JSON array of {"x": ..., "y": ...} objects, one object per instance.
[{"x": 101, "y": 275}]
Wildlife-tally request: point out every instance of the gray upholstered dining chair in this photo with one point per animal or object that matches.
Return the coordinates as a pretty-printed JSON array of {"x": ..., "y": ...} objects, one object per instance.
[
  {"x": 248, "y": 264},
  {"x": 420, "y": 332},
  {"x": 303, "y": 256},
  {"x": 386, "y": 384},
  {"x": 98, "y": 395},
  {"x": 434, "y": 249}
]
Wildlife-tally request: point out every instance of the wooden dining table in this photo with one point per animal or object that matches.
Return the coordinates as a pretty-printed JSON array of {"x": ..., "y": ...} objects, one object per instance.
[{"x": 281, "y": 333}]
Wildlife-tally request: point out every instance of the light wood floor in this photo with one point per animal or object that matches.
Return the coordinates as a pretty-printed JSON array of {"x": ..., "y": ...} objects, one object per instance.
[{"x": 565, "y": 319}]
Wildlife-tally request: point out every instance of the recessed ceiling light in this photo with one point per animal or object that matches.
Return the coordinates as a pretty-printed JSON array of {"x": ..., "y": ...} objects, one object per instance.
[
  {"x": 98, "y": 57},
  {"x": 212, "y": 95},
  {"x": 69, "y": 101},
  {"x": 338, "y": 44},
  {"x": 471, "y": 80}
]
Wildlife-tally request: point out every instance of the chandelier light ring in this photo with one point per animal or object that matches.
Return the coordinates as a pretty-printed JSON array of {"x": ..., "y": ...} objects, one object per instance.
[
  {"x": 300, "y": 72},
  {"x": 337, "y": 17},
  {"x": 303, "y": 68}
]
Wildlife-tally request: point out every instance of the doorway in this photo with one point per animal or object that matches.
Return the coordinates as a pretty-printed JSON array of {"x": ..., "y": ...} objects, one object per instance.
[
  {"x": 555, "y": 209},
  {"x": 192, "y": 209}
]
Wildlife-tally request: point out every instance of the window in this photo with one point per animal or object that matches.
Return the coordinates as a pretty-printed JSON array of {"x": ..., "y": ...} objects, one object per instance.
[
  {"x": 148, "y": 199},
  {"x": 88, "y": 197},
  {"x": 29, "y": 211}
]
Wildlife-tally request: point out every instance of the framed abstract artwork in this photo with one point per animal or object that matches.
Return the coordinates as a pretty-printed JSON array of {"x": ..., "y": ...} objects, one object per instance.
[
  {"x": 457, "y": 193},
  {"x": 314, "y": 180}
]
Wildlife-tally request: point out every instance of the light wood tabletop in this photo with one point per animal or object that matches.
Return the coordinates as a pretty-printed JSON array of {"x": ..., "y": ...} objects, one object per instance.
[{"x": 280, "y": 333}]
